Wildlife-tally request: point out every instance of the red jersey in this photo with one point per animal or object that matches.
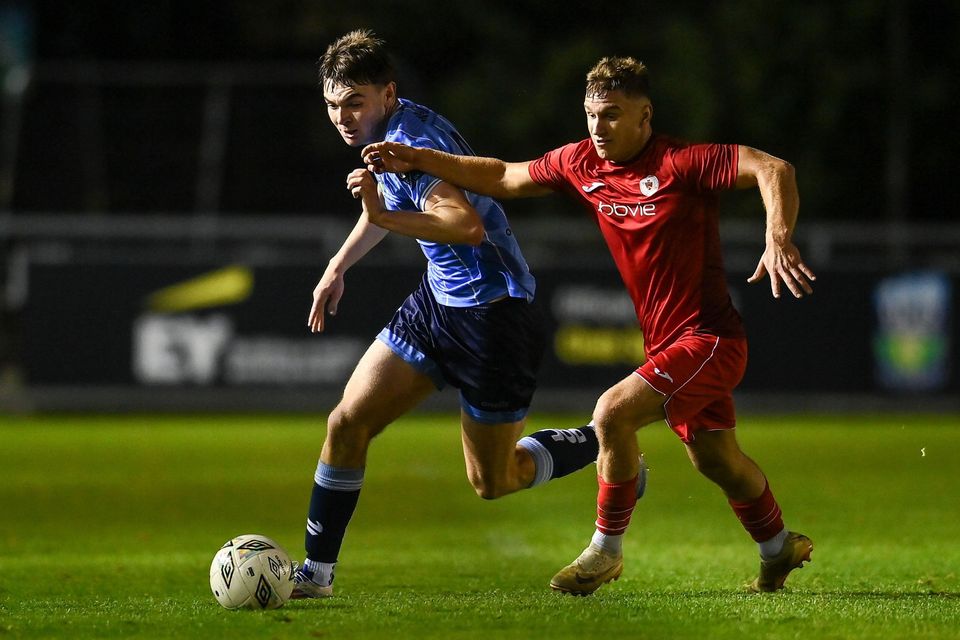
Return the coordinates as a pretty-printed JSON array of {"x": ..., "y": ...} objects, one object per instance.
[{"x": 659, "y": 216}]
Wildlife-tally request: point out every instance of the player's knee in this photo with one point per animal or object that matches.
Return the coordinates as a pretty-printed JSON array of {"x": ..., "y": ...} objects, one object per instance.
[
  {"x": 486, "y": 490},
  {"x": 605, "y": 414},
  {"x": 612, "y": 418},
  {"x": 346, "y": 429},
  {"x": 487, "y": 486},
  {"x": 338, "y": 422}
]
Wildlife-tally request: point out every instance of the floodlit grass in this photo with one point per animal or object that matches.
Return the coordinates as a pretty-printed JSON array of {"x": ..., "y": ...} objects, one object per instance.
[{"x": 108, "y": 526}]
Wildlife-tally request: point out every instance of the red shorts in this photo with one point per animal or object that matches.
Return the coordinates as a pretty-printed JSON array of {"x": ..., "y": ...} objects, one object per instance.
[{"x": 697, "y": 374}]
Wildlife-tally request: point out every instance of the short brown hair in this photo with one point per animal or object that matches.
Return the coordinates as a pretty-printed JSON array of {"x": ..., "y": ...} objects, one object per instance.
[
  {"x": 619, "y": 74},
  {"x": 359, "y": 57}
]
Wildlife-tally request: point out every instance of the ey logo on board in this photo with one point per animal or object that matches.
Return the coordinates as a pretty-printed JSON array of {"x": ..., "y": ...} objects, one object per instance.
[{"x": 173, "y": 346}]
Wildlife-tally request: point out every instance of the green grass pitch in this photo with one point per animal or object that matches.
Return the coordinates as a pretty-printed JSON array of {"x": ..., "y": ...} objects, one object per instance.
[{"x": 108, "y": 526}]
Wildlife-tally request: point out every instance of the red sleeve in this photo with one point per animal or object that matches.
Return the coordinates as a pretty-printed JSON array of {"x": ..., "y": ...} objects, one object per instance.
[
  {"x": 548, "y": 169},
  {"x": 707, "y": 167}
]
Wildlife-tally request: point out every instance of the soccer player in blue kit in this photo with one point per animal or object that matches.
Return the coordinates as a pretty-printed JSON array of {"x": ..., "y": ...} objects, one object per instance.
[{"x": 471, "y": 322}]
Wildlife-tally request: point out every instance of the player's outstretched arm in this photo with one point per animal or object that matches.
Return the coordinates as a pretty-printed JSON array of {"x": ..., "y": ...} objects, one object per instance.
[
  {"x": 778, "y": 187},
  {"x": 486, "y": 176},
  {"x": 329, "y": 290}
]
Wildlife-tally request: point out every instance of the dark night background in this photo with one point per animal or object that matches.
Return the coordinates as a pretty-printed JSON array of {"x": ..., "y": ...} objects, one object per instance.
[
  {"x": 157, "y": 139},
  {"x": 860, "y": 95}
]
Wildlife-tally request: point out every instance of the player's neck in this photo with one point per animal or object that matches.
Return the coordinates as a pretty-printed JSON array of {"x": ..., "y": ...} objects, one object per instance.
[
  {"x": 640, "y": 148},
  {"x": 391, "y": 109}
]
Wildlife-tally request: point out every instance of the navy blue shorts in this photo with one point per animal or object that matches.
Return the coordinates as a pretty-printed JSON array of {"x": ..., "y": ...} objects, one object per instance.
[{"x": 490, "y": 352}]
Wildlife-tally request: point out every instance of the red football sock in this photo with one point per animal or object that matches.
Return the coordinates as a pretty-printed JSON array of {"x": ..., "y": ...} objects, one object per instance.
[
  {"x": 615, "y": 502},
  {"x": 762, "y": 517}
]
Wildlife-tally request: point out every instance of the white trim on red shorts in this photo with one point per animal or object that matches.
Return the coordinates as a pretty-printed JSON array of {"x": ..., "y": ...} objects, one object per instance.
[
  {"x": 670, "y": 396},
  {"x": 666, "y": 413}
]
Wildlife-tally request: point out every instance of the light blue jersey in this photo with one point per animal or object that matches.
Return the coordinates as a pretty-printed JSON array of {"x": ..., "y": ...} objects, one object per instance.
[{"x": 459, "y": 275}]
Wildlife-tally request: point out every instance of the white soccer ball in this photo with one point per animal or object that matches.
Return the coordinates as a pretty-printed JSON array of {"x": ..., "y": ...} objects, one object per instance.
[{"x": 251, "y": 571}]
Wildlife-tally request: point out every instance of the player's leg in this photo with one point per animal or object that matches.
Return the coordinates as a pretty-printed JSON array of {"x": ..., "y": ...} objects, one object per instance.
[
  {"x": 649, "y": 394},
  {"x": 495, "y": 464},
  {"x": 620, "y": 412},
  {"x": 717, "y": 455},
  {"x": 498, "y": 464},
  {"x": 382, "y": 387},
  {"x": 492, "y": 354}
]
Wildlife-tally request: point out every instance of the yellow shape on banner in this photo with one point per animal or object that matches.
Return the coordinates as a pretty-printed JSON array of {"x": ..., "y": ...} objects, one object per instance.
[
  {"x": 230, "y": 285},
  {"x": 578, "y": 345}
]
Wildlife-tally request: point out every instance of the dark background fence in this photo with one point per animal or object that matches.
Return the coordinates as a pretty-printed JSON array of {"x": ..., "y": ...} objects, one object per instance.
[{"x": 155, "y": 314}]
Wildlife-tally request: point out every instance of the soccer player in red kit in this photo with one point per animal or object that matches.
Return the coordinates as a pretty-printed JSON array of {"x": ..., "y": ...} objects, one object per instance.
[{"x": 655, "y": 200}]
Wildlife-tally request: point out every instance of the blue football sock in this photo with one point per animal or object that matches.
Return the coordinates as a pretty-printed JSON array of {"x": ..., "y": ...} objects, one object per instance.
[
  {"x": 558, "y": 452},
  {"x": 332, "y": 503}
]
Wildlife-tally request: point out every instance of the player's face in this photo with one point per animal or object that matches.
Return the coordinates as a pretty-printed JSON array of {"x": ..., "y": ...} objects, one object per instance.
[
  {"x": 619, "y": 125},
  {"x": 359, "y": 112}
]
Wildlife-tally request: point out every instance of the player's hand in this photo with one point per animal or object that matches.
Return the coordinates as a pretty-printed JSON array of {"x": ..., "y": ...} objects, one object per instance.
[
  {"x": 782, "y": 262},
  {"x": 326, "y": 297},
  {"x": 363, "y": 186},
  {"x": 391, "y": 157}
]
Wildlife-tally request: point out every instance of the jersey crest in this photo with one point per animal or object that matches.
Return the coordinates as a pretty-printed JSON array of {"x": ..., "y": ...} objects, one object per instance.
[{"x": 649, "y": 185}]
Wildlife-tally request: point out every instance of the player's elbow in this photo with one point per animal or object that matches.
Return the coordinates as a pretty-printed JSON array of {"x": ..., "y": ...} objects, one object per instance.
[
  {"x": 780, "y": 169},
  {"x": 473, "y": 234},
  {"x": 503, "y": 190},
  {"x": 786, "y": 170},
  {"x": 770, "y": 173},
  {"x": 470, "y": 228}
]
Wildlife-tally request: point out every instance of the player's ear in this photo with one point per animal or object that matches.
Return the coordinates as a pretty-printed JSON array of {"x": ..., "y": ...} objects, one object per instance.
[
  {"x": 390, "y": 92},
  {"x": 646, "y": 115}
]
